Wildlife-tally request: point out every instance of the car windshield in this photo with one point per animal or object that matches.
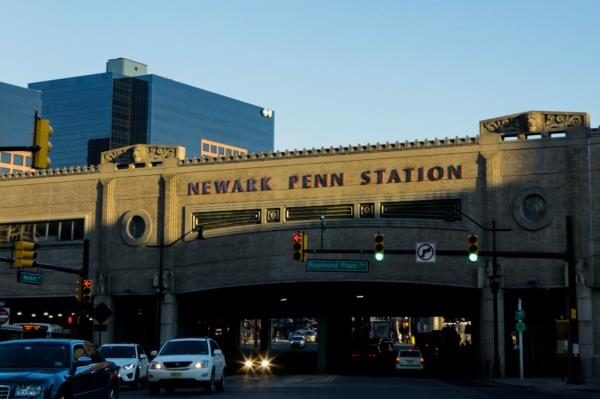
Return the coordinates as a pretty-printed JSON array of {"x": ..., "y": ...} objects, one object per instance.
[
  {"x": 34, "y": 355},
  {"x": 297, "y": 338},
  {"x": 185, "y": 348},
  {"x": 410, "y": 354},
  {"x": 117, "y": 352}
]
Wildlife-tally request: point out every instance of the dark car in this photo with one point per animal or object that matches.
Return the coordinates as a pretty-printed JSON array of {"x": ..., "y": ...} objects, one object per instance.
[{"x": 55, "y": 369}]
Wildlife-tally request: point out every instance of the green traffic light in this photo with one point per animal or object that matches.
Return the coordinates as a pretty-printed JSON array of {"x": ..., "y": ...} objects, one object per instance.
[
  {"x": 473, "y": 257},
  {"x": 379, "y": 256}
]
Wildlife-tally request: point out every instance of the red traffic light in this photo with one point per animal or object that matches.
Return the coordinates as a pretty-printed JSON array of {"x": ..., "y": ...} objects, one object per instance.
[
  {"x": 87, "y": 283},
  {"x": 297, "y": 237},
  {"x": 70, "y": 320}
]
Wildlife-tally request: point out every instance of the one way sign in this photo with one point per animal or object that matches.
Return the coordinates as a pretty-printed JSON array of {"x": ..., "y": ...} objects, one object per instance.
[{"x": 425, "y": 252}]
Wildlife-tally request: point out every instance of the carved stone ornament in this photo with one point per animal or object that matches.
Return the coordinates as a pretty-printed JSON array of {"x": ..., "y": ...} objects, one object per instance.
[
  {"x": 367, "y": 210},
  {"x": 273, "y": 215},
  {"x": 532, "y": 122},
  {"x": 142, "y": 153},
  {"x": 563, "y": 121}
]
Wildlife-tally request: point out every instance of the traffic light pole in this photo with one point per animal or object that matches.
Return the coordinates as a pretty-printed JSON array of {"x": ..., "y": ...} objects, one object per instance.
[{"x": 160, "y": 293}]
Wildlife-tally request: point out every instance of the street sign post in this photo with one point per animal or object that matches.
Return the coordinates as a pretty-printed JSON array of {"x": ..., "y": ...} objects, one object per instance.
[
  {"x": 337, "y": 265},
  {"x": 425, "y": 252}
]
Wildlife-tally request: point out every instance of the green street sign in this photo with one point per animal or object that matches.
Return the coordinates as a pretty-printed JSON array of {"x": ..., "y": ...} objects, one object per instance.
[
  {"x": 337, "y": 266},
  {"x": 520, "y": 315},
  {"x": 30, "y": 277}
]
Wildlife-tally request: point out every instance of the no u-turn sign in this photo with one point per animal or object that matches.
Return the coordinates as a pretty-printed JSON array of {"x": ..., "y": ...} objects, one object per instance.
[
  {"x": 4, "y": 316},
  {"x": 425, "y": 252}
]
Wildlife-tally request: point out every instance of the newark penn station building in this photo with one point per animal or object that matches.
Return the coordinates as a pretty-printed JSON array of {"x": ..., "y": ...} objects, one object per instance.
[{"x": 202, "y": 246}]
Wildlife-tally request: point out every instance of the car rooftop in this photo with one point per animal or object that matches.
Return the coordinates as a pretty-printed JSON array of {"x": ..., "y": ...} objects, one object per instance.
[{"x": 48, "y": 340}]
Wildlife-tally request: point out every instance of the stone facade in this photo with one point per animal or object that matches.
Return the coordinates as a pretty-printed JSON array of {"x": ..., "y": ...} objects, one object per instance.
[{"x": 526, "y": 171}]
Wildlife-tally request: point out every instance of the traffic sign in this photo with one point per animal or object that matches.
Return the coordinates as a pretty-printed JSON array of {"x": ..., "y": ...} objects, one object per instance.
[
  {"x": 4, "y": 315},
  {"x": 425, "y": 252},
  {"x": 102, "y": 312},
  {"x": 30, "y": 277},
  {"x": 521, "y": 326},
  {"x": 337, "y": 266},
  {"x": 520, "y": 315}
]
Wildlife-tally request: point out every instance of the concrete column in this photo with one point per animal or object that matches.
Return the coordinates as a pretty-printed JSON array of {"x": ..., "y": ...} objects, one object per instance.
[
  {"x": 586, "y": 330},
  {"x": 265, "y": 334},
  {"x": 168, "y": 322},
  {"x": 101, "y": 255},
  {"x": 322, "y": 338}
]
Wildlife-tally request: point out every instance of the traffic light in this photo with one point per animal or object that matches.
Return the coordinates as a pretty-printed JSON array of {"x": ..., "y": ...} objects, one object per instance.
[
  {"x": 378, "y": 246},
  {"x": 473, "y": 246},
  {"x": 24, "y": 252},
  {"x": 41, "y": 140},
  {"x": 299, "y": 246},
  {"x": 78, "y": 291},
  {"x": 86, "y": 290}
]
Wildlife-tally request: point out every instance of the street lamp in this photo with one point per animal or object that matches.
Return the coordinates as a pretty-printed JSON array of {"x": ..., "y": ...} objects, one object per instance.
[{"x": 160, "y": 291}]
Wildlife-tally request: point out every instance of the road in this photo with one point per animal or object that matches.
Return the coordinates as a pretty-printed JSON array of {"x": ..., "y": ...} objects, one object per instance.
[{"x": 349, "y": 387}]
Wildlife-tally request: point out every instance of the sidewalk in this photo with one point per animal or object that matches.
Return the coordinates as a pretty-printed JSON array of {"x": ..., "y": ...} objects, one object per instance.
[{"x": 549, "y": 384}]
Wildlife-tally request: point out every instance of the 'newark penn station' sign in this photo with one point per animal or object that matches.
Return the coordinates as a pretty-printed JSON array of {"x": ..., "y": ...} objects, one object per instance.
[{"x": 377, "y": 176}]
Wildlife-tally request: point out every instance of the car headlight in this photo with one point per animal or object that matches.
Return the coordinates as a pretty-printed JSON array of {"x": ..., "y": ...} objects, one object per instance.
[
  {"x": 201, "y": 364},
  {"x": 29, "y": 390},
  {"x": 129, "y": 366},
  {"x": 156, "y": 365}
]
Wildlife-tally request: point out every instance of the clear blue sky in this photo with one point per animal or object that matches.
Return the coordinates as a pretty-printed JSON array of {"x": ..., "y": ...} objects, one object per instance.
[{"x": 335, "y": 72}]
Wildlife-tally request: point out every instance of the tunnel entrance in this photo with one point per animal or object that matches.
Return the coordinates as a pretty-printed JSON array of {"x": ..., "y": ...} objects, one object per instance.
[{"x": 340, "y": 324}]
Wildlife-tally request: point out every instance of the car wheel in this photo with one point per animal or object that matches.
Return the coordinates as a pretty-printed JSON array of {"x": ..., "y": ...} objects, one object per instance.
[
  {"x": 221, "y": 384},
  {"x": 153, "y": 389},
  {"x": 62, "y": 394},
  {"x": 112, "y": 393},
  {"x": 136, "y": 383},
  {"x": 211, "y": 388}
]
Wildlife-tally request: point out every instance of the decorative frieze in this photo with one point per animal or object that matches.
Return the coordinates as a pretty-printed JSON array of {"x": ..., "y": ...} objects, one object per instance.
[
  {"x": 533, "y": 122},
  {"x": 142, "y": 154}
]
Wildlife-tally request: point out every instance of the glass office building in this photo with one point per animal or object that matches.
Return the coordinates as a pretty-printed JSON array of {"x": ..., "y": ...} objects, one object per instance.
[
  {"x": 125, "y": 105},
  {"x": 79, "y": 110},
  {"x": 18, "y": 106}
]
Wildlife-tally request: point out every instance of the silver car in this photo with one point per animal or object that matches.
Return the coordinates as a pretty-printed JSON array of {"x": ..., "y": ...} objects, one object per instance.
[{"x": 132, "y": 361}]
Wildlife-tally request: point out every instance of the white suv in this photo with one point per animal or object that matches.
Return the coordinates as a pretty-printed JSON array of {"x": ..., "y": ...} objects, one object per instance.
[
  {"x": 131, "y": 359},
  {"x": 187, "y": 362}
]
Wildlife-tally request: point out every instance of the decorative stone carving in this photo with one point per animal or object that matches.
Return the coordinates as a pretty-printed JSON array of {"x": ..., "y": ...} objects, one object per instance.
[
  {"x": 142, "y": 153},
  {"x": 508, "y": 124},
  {"x": 533, "y": 122},
  {"x": 273, "y": 215},
  {"x": 563, "y": 121},
  {"x": 367, "y": 210}
]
